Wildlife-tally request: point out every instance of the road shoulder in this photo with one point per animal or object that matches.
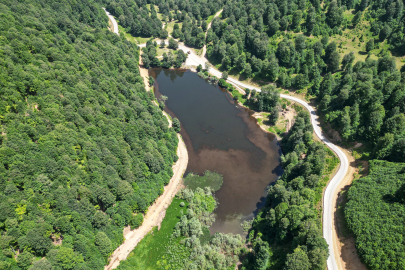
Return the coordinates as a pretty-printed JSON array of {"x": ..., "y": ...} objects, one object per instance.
[{"x": 343, "y": 239}]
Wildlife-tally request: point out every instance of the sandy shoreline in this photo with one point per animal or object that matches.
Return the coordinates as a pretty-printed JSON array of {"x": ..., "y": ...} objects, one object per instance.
[{"x": 157, "y": 211}]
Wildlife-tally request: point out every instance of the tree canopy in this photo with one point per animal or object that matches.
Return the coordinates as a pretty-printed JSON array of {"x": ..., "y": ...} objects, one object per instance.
[
  {"x": 83, "y": 149},
  {"x": 289, "y": 219},
  {"x": 375, "y": 213}
]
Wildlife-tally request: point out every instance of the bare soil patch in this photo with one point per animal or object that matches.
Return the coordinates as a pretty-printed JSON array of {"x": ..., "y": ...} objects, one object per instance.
[
  {"x": 284, "y": 123},
  {"x": 289, "y": 115},
  {"x": 145, "y": 75},
  {"x": 343, "y": 239}
]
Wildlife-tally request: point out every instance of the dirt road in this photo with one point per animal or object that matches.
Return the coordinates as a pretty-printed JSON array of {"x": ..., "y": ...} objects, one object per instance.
[
  {"x": 157, "y": 211},
  {"x": 208, "y": 27},
  {"x": 344, "y": 245},
  {"x": 114, "y": 22}
]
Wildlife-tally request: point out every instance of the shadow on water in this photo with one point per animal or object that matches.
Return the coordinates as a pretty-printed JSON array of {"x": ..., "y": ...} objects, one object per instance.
[{"x": 224, "y": 137}]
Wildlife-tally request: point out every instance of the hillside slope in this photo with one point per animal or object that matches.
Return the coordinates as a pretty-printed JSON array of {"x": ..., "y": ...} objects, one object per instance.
[{"x": 82, "y": 146}]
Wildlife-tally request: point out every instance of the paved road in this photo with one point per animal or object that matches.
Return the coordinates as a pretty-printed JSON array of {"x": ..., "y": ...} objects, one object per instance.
[
  {"x": 114, "y": 22},
  {"x": 331, "y": 189}
]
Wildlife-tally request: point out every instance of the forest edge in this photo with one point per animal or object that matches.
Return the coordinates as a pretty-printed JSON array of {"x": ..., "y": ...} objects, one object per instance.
[
  {"x": 156, "y": 212},
  {"x": 332, "y": 188}
]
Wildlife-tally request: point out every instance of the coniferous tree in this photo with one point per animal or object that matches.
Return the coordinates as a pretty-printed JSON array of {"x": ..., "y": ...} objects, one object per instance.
[{"x": 370, "y": 45}]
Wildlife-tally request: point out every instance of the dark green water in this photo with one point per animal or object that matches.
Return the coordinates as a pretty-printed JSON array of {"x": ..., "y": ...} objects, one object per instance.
[{"x": 223, "y": 137}]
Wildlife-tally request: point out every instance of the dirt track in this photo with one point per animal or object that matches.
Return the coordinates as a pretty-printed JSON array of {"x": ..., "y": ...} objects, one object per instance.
[
  {"x": 209, "y": 26},
  {"x": 157, "y": 211}
]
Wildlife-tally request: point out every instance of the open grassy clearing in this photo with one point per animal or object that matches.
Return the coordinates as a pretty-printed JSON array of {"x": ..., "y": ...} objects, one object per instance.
[
  {"x": 160, "y": 51},
  {"x": 150, "y": 253},
  {"x": 140, "y": 40},
  {"x": 159, "y": 15},
  {"x": 285, "y": 120},
  {"x": 210, "y": 18},
  {"x": 131, "y": 38},
  {"x": 170, "y": 26},
  {"x": 355, "y": 39}
]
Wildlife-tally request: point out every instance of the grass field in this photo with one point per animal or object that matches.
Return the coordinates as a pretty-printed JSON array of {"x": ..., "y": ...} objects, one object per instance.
[
  {"x": 151, "y": 252},
  {"x": 279, "y": 128},
  {"x": 160, "y": 51},
  {"x": 169, "y": 26},
  {"x": 354, "y": 39},
  {"x": 129, "y": 37},
  {"x": 210, "y": 18}
]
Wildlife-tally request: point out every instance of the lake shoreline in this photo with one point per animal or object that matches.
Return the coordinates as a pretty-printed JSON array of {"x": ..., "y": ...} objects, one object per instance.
[
  {"x": 157, "y": 211},
  {"x": 222, "y": 136}
]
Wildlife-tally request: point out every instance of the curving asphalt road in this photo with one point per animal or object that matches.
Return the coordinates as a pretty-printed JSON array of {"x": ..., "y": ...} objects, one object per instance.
[
  {"x": 331, "y": 189},
  {"x": 114, "y": 22}
]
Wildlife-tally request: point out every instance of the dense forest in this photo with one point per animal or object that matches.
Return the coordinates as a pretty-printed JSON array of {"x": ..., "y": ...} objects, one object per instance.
[
  {"x": 241, "y": 40},
  {"x": 195, "y": 9},
  {"x": 83, "y": 150},
  {"x": 368, "y": 103},
  {"x": 140, "y": 18},
  {"x": 276, "y": 37},
  {"x": 376, "y": 213},
  {"x": 387, "y": 21},
  {"x": 288, "y": 43},
  {"x": 137, "y": 18},
  {"x": 287, "y": 234}
]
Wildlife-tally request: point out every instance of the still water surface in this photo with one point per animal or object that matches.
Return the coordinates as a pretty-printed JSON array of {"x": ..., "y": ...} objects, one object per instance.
[{"x": 223, "y": 137}]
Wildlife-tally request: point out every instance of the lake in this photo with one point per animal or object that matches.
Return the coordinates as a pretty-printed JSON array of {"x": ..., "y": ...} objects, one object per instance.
[{"x": 224, "y": 137}]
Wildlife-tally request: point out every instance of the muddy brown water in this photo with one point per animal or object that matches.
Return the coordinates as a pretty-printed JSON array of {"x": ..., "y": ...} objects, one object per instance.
[{"x": 223, "y": 137}]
